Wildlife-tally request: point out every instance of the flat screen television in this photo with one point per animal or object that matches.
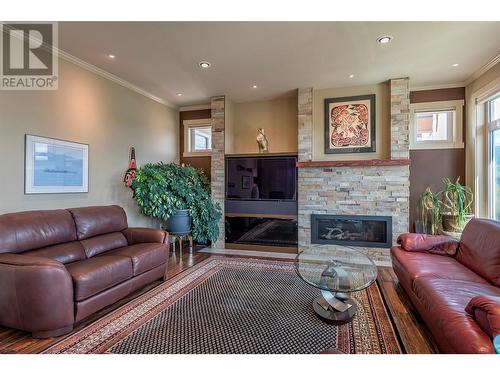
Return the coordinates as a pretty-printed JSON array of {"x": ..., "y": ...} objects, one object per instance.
[{"x": 261, "y": 178}]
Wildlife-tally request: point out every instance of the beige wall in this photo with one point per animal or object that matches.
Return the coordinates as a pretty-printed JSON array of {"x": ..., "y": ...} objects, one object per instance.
[
  {"x": 476, "y": 152},
  {"x": 278, "y": 117},
  {"x": 89, "y": 109},
  {"x": 382, "y": 103}
]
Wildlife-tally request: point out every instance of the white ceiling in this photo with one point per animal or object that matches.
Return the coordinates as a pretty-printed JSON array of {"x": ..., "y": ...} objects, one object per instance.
[{"x": 162, "y": 57}]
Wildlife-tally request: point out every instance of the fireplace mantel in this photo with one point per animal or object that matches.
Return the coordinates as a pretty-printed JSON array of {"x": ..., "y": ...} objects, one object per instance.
[{"x": 352, "y": 163}]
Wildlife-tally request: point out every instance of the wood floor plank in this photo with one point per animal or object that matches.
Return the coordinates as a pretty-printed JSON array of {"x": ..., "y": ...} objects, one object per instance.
[{"x": 412, "y": 332}]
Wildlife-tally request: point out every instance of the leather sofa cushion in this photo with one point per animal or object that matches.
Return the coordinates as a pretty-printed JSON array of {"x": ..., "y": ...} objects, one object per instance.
[
  {"x": 92, "y": 221},
  {"x": 417, "y": 265},
  {"x": 480, "y": 249},
  {"x": 100, "y": 244},
  {"x": 65, "y": 253},
  {"x": 144, "y": 256},
  {"x": 23, "y": 231},
  {"x": 445, "y": 300},
  {"x": 94, "y": 275}
]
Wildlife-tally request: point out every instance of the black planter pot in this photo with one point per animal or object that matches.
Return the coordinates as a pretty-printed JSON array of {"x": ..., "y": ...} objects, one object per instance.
[{"x": 179, "y": 223}]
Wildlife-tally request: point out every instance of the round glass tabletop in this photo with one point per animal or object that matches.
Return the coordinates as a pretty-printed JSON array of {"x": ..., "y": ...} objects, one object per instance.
[{"x": 336, "y": 268}]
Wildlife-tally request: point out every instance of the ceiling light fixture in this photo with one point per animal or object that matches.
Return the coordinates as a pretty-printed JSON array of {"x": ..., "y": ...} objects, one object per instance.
[
  {"x": 111, "y": 56},
  {"x": 455, "y": 65},
  {"x": 179, "y": 94},
  {"x": 254, "y": 86},
  {"x": 351, "y": 75},
  {"x": 204, "y": 64},
  {"x": 384, "y": 39}
]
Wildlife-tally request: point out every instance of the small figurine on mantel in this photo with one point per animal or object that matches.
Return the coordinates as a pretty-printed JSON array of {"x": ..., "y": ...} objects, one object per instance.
[{"x": 262, "y": 141}]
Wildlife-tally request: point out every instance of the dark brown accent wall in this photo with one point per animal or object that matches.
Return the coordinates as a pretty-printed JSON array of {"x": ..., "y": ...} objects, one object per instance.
[
  {"x": 429, "y": 167},
  {"x": 202, "y": 162}
]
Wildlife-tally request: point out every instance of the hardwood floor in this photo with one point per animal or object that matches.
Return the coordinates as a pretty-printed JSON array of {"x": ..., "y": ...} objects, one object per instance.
[{"x": 411, "y": 331}]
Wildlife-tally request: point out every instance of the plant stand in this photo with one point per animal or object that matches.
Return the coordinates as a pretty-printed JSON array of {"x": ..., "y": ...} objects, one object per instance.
[{"x": 180, "y": 238}]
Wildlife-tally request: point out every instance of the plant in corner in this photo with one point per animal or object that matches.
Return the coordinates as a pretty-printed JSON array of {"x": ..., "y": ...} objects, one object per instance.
[
  {"x": 447, "y": 210},
  {"x": 161, "y": 190},
  {"x": 430, "y": 209},
  {"x": 456, "y": 202}
]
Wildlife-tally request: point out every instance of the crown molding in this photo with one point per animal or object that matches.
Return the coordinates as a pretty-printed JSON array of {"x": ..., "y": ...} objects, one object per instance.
[
  {"x": 438, "y": 87},
  {"x": 194, "y": 107},
  {"x": 478, "y": 73},
  {"x": 111, "y": 77},
  {"x": 96, "y": 70}
]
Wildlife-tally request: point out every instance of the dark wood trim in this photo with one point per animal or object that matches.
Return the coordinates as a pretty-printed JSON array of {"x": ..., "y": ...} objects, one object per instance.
[
  {"x": 267, "y": 216},
  {"x": 352, "y": 163},
  {"x": 271, "y": 249},
  {"x": 263, "y": 155}
]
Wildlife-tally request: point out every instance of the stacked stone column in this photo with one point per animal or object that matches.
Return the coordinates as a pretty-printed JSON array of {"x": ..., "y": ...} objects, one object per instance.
[{"x": 217, "y": 106}]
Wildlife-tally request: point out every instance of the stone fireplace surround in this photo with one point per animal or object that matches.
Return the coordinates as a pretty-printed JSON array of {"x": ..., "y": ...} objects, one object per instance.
[{"x": 369, "y": 187}]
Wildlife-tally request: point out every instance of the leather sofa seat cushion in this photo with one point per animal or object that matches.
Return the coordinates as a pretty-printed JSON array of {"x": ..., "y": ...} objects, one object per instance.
[
  {"x": 144, "y": 256},
  {"x": 445, "y": 301},
  {"x": 105, "y": 242},
  {"x": 480, "y": 249},
  {"x": 93, "y": 221},
  {"x": 23, "y": 231},
  {"x": 65, "y": 253},
  {"x": 94, "y": 275},
  {"x": 416, "y": 265}
]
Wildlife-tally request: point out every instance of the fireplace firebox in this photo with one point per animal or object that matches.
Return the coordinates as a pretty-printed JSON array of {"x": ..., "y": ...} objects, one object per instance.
[{"x": 351, "y": 230}]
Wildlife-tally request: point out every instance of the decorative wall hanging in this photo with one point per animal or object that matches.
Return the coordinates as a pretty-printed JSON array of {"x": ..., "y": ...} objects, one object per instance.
[
  {"x": 262, "y": 141},
  {"x": 55, "y": 166},
  {"x": 130, "y": 173},
  {"x": 350, "y": 124}
]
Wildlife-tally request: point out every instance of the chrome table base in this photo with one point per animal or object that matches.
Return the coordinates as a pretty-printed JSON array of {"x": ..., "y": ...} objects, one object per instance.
[{"x": 337, "y": 308}]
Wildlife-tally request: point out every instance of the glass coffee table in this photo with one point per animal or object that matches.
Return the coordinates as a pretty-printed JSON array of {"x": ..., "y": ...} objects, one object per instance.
[{"x": 336, "y": 271}]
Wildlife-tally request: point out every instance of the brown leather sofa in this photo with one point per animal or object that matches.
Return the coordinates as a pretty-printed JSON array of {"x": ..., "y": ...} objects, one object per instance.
[
  {"x": 59, "y": 266},
  {"x": 454, "y": 285}
]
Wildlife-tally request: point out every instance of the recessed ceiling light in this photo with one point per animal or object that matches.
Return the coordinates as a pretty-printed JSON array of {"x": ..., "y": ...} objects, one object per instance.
[
  {"x": 204, "y": 64},
  {"x": 455, "y": 65},
  {"x": 254, "y": 86},
  {"x": 351, "y": 75},
  {"x": 111, "y": 56},
  {"x": 179, "y": 94},
  {"x": 384, "y": 39}
]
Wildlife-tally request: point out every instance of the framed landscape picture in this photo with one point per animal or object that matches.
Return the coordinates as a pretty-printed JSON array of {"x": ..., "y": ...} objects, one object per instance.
[
  {"x": 350, "y": 124},
  {"x": 55, "y": 166}
]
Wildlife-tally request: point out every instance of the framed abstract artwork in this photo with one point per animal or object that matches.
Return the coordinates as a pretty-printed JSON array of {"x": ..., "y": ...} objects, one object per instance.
[
  {"x": 55, "y": 166},
  {"x": 350, "y": 124}
]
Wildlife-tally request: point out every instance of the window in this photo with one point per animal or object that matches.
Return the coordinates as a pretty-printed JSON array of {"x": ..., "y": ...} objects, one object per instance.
[
  {"x": 197, "y": 137},
  {"x": 436, "y": 125},
  {"x": 494, "y": 141}
]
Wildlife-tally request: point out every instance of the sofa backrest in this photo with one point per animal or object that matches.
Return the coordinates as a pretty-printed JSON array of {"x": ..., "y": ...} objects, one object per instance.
[
  {"x": 479, "y": 249},
  {"x": 99, "y": 228},
  {"x": 96, "y": 220},
  {"x": 24, "y": 231}
]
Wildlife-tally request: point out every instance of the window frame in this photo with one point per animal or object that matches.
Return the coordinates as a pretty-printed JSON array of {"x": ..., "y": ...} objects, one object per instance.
[
  {"x": 491, "y": 126},
  {"x": 192, "y": 124},
  {"x": 456, "y": 138}
]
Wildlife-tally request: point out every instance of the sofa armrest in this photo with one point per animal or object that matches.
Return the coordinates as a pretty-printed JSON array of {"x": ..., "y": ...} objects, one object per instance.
[
  {"x": 441, "y": 245},
  {"x": 36, "y": 295},
  {"x": 486, "y": 312},
  {"x": 142, "y": 235}
]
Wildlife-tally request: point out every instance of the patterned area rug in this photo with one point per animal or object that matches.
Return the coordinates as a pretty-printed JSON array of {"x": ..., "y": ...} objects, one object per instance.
[{"x": 232, "y": 305}]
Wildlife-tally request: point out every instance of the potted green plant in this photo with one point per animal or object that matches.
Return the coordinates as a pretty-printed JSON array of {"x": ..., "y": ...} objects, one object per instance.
[
  {"x": 456, "y": 203},
  {"x": 430, "y": 210},
  {"x": 179, "y": 196}
]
